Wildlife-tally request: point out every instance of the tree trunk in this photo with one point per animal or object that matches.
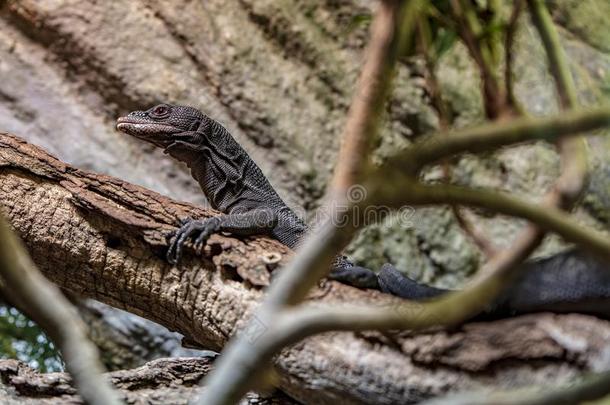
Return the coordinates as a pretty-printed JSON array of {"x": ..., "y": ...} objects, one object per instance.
[{"x": 103, "y": 238}]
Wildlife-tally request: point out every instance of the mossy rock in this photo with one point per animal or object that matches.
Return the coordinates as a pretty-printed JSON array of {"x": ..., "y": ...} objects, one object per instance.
[{"x": 587, "y": 19}]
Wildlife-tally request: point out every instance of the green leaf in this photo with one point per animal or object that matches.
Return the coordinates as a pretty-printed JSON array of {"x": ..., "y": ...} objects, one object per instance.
[{"x": 22, "y": 339}]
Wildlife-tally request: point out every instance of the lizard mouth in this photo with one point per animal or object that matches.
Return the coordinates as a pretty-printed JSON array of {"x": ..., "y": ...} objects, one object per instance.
[{"x": 144, "y": 128}]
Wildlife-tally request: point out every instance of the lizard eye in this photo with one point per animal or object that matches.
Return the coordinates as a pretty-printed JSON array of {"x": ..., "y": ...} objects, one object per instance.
[{"x": 160, "y": 110}]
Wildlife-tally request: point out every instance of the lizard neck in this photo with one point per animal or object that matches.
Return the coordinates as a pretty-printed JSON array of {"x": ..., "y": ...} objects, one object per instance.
[
  {"x": 227, "y": 175},
  {"x": 231, "y": 180}
]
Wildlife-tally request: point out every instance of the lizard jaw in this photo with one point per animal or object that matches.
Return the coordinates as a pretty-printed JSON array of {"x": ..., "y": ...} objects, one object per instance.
[{"x": 145, "y": 129}]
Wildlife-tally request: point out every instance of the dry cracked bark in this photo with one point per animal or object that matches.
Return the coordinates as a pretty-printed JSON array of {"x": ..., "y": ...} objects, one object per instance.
[
  {"x": 103, "y": 238},
  {"x": 164, "y": 381}
]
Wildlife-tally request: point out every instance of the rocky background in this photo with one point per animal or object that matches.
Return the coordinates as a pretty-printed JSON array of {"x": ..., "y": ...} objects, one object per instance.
[{"x": 279, "y": 75}]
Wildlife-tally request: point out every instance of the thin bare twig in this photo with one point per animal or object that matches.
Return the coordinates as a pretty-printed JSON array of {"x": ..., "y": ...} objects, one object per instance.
[
  {"x": 470, "y": 31},
  {"x": 369, "y": 99},
  {"x": 24, "y": 285},
  {"x": 511, "y": 32},
  {"x": 439, "y": 104},
  {"x": 572, "y": 181},
  {"x": 473, "y": 232},
  {"x": 494, "y": 7},
  {"x": 568, "y": 96}
]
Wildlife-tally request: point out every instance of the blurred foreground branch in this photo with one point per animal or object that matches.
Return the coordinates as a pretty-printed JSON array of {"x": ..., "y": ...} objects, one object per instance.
[
  {"x": 24, "y": 285},
  {"x": 394, "y": 183},
  {"x": 487, "y": 137},
  {"x": 230, "y": 382},
  {"x": 391, "y": 29}
]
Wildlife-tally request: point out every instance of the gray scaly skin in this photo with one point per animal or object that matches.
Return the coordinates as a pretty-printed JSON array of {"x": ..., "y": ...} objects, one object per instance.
[{"x": 234, "y": 185}]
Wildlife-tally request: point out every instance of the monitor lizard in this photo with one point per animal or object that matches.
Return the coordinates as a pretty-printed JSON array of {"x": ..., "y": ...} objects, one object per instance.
[{"x": 236, "y": 186}]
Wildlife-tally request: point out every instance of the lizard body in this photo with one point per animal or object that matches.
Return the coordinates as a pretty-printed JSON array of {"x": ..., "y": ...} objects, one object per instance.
[
  {"x": 236, "y": 186},
  {"x": 231, "y": 181}
]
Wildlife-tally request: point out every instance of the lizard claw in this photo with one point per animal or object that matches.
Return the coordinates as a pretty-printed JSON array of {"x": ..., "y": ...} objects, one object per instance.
[
  {"x": 171, "y": 234},
  {"x": 200, "y": 241},
  {"x": 201, "y": 229}
]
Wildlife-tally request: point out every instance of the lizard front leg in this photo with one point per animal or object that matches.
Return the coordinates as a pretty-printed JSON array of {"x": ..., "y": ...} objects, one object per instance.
[{"x": 248, "y": 223}]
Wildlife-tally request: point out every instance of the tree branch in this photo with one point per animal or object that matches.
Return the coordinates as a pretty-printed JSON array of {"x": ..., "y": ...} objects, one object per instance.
[
  {"x": 374, "y": 84},
  {"x": 102, "y": 238},
  {"x": 488, "y": 137},
  {"x": 575, "y": 160},
  {"x": 24, "y": 285},
  {"x": 509, "y": 40},
  {"x": 568, "y": 97},
  {"x": 471, "y": 32},
  {"x": 550, "y": 218}
]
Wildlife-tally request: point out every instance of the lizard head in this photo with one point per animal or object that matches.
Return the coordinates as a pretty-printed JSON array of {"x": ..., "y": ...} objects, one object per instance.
[{"x": 158, "y": 124}]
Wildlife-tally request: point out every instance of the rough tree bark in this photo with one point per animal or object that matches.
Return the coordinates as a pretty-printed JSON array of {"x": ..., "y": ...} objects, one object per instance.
[
  {"x": 103, "y": 238},
  {"x": 165, "y": 381}
]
